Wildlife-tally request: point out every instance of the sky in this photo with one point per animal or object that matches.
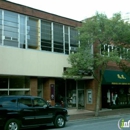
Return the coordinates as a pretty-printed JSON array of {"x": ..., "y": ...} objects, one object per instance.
[{"x": 78, "y": 9}]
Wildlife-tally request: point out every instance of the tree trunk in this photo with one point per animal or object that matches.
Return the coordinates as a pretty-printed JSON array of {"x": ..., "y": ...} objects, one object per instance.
[{"x": 98, "y": 100}]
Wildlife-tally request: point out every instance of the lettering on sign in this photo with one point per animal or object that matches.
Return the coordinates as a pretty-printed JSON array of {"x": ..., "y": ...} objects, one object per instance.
[{"x": 121, "y": 76}]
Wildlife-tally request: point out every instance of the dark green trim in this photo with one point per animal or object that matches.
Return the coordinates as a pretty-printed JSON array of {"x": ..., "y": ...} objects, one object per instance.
[{"x": 115, "y": 78}]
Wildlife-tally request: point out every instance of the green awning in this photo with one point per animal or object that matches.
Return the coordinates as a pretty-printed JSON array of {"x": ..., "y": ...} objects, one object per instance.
[{"x": 116, "y": 78}]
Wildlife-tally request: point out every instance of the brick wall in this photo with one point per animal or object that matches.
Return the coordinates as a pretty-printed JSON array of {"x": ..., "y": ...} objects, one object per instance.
[
  {"x": 33, "y": 86},
  {"x": 37, "y": 13},
  {"x": 47, "y": 91},
  {"x": 90, "y": 84}
]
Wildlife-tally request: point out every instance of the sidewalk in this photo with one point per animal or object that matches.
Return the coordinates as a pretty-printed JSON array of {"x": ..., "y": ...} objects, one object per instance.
[{"x": 85, "y": 114}]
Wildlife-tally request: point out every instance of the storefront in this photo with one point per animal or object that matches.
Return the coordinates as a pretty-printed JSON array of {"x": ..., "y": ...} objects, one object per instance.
[
  {"x": 71, "y": 92},
  {"x": 115, "y": 89}
]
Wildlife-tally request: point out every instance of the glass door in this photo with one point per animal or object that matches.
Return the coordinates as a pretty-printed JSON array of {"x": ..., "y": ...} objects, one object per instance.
[{"x": 80, "y": 99}]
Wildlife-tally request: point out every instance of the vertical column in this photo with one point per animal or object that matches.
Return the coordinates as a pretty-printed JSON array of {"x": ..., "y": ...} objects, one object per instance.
[
  {"x": 77, "y": 98},
  {"x": 39, "y": 34},
  {"x": 64, "y": 39},
  {"x": 33, "y": 86},
  {"x": 52, "y": 37},
  {"x": 47, "y": 90}
]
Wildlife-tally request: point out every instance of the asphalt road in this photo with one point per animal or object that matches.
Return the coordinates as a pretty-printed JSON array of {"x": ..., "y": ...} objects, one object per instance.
[{"x": 102, "y": 123}]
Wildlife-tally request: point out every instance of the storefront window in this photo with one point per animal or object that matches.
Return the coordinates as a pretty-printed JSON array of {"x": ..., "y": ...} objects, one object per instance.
[
  {"x": 116, "y": 96},
  {"x": 71, "y": 93},
  {"x": 14, "y": 86}
]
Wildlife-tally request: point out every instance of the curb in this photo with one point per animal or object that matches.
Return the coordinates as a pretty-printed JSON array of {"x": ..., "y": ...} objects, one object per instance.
[{"x": 100, "y": 117}]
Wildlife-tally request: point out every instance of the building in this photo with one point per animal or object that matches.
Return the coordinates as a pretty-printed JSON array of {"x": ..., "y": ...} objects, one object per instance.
[
  {"x": 34, "y": 47},
  {"x": 126, "y": 17},
  {"x": 116, "y": 84}
]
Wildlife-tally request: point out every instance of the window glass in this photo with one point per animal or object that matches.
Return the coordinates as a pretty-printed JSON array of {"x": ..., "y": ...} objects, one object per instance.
[
  {"x": 8, "y": 102},
  {"x": 73, "y": 37},
  {"x": 25, "y": 102},
  {"x": 38, "y": 102},
  {"x": 46, "y": 35},
  {"x": 58, "y": 38},
  {"x": 17, "y": 82},
  {"x": 32, "y": 33},
  {"x": 10, "y": 28}
]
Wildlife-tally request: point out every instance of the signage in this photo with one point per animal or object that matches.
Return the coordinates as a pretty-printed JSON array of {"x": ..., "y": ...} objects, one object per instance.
[{"x": 52, "y": 91}]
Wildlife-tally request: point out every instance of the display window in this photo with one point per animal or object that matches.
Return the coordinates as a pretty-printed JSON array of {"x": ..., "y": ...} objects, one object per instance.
[{"x": 115, "y": 96}]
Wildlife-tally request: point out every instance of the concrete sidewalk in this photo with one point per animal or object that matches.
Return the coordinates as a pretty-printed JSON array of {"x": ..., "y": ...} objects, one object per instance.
[{"x": 85, "y": 114}]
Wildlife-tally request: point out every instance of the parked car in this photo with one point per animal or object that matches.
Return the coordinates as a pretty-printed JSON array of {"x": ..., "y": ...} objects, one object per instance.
[{"x": 18, "y": 112}]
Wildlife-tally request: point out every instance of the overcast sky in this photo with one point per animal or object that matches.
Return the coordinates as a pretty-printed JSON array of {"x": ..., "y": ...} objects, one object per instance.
[{"x": 78, "y": 9}]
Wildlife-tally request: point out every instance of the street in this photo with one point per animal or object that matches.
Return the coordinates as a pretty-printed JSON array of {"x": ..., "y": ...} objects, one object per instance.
[{"x": 101, "y": 123}]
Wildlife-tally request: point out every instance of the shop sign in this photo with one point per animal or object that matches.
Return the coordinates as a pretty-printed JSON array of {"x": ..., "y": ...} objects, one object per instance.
[
  {"x": 89, "y": 96},
  {"x": 116, "y": 83}
]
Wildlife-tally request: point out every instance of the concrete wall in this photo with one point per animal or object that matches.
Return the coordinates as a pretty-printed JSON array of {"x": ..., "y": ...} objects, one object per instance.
[{"x": 27, "y": 62}]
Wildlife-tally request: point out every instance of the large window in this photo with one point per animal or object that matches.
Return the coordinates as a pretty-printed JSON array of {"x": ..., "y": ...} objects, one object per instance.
[
  {"x": 10, "y": 28},
  {"x": 122, "y": 52},
  {"x": 66, "y": 40},
  {"x": 46, "y": 36},
  {"x": 32, "y": 33},
  {"x": 23, "y": 31},
  {"x": 73, "y": 39},
  {"x": 58, "y": 38},
  {"x": 14, "y": 85}
]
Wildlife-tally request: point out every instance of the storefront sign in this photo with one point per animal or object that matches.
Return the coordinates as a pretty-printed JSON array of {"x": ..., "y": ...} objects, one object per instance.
[
  {"x": 52, "y": 93},
  {"x": 121, "y": 76},
  {"x": 89, "y": 96},
  {"x": 114, "y": 83}
]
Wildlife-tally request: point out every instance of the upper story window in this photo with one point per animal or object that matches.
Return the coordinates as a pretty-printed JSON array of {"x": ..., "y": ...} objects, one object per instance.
[
  {"x": 32, "y": 33},
  {"x": 22, "y": 31},
  {"x": 10, "y": 28},
  {"x": 122, "y": 51},
  {"x": 73, "y": 39},
  {"x": 46, "y": 37},
  {"x": 58, "y": 38},
  {"x": 66, "y": 35}
]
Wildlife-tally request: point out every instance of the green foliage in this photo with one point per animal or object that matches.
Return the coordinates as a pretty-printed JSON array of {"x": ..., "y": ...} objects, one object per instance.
[{"x": 100, "y": 30}]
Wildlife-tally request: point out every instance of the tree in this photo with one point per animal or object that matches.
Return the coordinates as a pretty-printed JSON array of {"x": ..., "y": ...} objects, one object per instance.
[{"x": 100, "y": 33}]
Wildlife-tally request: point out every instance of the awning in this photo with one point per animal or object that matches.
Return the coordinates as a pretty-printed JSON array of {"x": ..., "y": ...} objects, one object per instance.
[{"x": 116, "y": 78}]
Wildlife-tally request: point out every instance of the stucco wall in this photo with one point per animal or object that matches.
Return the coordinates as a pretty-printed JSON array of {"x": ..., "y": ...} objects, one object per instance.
[{"x": 16, "y": 61}]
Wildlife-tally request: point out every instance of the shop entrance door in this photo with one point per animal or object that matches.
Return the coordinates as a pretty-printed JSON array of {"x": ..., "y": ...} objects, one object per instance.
[{"x": 80, "y": 99}]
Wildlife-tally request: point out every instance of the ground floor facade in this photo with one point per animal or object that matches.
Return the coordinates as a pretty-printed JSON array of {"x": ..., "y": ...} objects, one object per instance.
[
  {"x": 73, "y": 93},
  {"x": 115, "y": 89}
]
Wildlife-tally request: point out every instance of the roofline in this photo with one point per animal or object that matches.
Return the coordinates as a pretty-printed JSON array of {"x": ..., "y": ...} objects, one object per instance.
[{"x": 41, "y": 11}]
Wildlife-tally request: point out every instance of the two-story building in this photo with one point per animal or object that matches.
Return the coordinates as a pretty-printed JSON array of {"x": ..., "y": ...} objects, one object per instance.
[{"x": 34, "y": 48}]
